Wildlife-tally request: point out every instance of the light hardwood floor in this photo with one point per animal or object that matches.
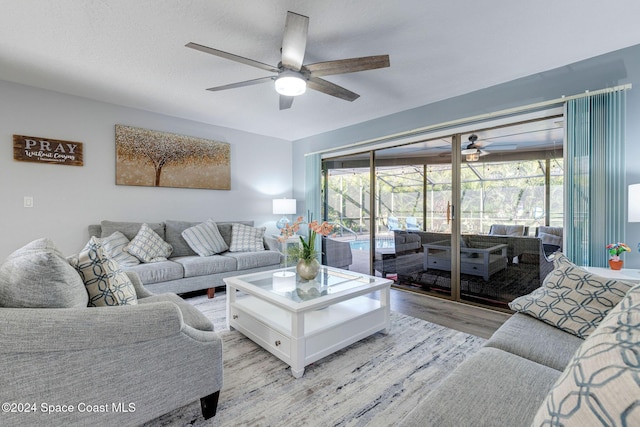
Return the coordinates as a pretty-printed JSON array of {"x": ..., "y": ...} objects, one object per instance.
[{"x": 467, "y": 318}]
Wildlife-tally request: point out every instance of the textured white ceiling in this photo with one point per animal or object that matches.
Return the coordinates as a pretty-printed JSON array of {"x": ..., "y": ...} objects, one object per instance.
[{"x": 131, "y": 52}]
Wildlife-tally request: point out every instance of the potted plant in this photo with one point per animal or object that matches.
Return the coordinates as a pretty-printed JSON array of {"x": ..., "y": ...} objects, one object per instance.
[
  {"x": 306, "y": 253},
  {"x": 615, "y": 250}
]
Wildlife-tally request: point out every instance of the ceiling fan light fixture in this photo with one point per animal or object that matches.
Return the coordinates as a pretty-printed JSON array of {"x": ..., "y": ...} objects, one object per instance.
[
  {"x": 290, "y": 84},
  {"x": 473, "y": 157}
]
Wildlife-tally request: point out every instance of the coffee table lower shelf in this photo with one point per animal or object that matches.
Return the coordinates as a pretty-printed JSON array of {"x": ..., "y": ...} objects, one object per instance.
[{"x": 303, "y": 337}]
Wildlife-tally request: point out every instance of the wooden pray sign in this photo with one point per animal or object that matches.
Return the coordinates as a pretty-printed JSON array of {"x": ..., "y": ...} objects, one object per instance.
[{"x": 41, "y": 150}]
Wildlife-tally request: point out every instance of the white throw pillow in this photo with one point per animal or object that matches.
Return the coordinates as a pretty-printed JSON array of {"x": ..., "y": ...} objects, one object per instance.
[
  {"x": 246, "y": 239},
  {"x": 104, "y": 280},
  {"x": 148, "y": 246},
  {"x": 205, "y": 239},
  {"x": 114, "y": 245}
]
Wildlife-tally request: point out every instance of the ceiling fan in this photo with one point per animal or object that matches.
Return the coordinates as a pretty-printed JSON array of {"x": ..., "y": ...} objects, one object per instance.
[
  {"x": 474, "y": 150},
  {"x": 292, "y": 77}
]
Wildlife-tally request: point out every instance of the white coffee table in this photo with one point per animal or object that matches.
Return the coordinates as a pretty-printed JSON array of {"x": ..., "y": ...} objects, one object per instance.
[{"x": 301, "y": 322}]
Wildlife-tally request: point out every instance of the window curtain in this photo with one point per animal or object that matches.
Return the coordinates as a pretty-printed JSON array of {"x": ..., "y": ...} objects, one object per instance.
[
  {"x": 312, "y": 186},
  {"x": 595, "y": 176}
]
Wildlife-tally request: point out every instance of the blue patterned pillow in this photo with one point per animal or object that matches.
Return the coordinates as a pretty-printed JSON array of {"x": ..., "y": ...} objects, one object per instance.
[
  {"x": 103, "y": 279},
  {"x": 246, "y": 239},
  {"x": 148, "y": 246},
  {"x": 205, "y": 239},
  {"x": 600, "y": 385},
  {"x": 572, "y": 299}
]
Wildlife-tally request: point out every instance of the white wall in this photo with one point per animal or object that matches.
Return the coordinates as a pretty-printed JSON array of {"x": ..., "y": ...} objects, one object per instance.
[{"x": 68, "y": 198}]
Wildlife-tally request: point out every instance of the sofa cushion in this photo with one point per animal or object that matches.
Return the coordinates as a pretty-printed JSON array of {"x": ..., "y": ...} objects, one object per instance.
[
  {"x": 38, "y": 276},
  {"x": 572, "y": 299},
  {"x": 600, "y": 384},
  {"x": 173, "y": 236},
  {"x": 205, "y": 239},
  {"x": 194, "y": 266},
  {"x": 491, "y": 388},
  {"x": 190, "y": 315},
  {"x": 114, "y": 245},
  {"x": 550, "y": 239},
  {"x": 247, "y": 260},
  {"x": 129, "y": 229},
  {"x": 535, "y": 340},
  {"x": 162, "y": 271},
  {"x": 104, "y": 280},
  {"x": 246, "y": 239},
  {"x": 148, "y": 246}
]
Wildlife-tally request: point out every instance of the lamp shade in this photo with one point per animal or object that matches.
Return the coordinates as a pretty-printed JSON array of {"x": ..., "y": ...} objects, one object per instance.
[
  {"x": 634, "y": 203},
  {"x": 284, "y": 206}
]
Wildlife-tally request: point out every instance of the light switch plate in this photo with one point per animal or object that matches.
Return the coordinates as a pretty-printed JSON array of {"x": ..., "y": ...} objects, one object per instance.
[{"x": 28, "y": 201}]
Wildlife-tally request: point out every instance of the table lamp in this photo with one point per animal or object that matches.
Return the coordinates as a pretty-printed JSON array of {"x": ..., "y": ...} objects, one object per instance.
[{"x": 283, "y": 207}]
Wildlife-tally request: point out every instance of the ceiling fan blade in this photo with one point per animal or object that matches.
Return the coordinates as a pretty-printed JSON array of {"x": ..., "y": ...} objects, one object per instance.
[
  {"x": 294, "y": 41},
  {"x": 232, "y": 57},
  {"x": 242, "y": 84},
  {"x": 285, "y": 102},
  {"x": 332, "y": 89},
  {"x": 352, "y": 65}
]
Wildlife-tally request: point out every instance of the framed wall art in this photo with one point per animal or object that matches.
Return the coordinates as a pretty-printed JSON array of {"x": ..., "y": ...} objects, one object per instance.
[{"x": 161, "y": 159}]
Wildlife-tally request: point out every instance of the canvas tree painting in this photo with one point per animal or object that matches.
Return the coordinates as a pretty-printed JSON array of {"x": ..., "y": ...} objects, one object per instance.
[{"x": 160, "y": 159}]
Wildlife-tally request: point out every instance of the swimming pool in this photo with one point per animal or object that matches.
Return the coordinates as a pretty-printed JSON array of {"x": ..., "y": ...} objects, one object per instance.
[{"x": 364, "y": 245}]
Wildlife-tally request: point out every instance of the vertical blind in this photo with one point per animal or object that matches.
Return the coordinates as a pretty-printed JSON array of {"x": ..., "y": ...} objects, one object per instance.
[
  {"x": 595, "y": 176},
  {"x": 312, "y": 188}
]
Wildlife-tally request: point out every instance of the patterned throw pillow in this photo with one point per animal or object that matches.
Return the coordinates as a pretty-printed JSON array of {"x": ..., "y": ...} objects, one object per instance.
[
  {"x": 103, "y": 279},
  {"x": 599, "y": 386},
  {"x": 114, "y": 245},
  {"x": 246, "y": 239},
  {"x": 147, "y": 246},
  {"x": 572, "y": 299},
  {"x": 205, "y": 239}
]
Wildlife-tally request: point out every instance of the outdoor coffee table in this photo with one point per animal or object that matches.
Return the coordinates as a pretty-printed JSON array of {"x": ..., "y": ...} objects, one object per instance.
[{"x": 301, "y": 322}]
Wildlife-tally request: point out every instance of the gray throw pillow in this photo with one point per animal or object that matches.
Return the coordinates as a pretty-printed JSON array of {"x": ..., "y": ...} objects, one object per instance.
[
  {"x": 205, "y": 239},
  {"x": 38, "y": 276}
]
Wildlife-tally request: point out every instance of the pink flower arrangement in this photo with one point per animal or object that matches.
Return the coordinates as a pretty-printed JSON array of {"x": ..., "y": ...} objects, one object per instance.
[{"x": 306, "y": 250}]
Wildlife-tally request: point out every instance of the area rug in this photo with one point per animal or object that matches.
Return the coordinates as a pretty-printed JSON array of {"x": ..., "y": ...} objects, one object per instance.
[{"x": 375, "y": 381}]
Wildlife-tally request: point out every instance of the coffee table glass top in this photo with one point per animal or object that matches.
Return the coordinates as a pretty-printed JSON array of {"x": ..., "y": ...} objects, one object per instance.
[{"x": 285, "y": 283}]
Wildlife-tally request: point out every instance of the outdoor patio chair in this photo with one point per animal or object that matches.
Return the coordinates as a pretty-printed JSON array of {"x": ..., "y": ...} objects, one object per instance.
[
  {"x": 392, "y": 223},
  {"x": 412, "y": 223},
  {"x": 508, "y": 230}
]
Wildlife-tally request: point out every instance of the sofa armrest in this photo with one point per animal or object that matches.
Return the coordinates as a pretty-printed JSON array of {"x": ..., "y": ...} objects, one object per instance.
[
  {"x": 141, "y": 291},
  {"x": 30, "y": 330}
]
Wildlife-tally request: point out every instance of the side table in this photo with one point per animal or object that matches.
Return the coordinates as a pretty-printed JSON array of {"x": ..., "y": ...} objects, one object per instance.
[{"x": 626, "y": 274}]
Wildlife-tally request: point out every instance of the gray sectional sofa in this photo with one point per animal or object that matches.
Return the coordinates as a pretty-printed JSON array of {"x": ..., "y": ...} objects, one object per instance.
[
  {"x": 185, "y": 271},
  {"x": 532, "y": 373}
]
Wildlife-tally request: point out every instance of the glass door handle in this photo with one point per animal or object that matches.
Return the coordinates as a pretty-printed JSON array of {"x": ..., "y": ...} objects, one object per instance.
[{"x": 450, "y": 212}]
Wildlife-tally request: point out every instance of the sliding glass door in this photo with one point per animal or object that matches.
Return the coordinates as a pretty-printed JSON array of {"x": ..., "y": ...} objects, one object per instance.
[{"x": 461, "y": 217}]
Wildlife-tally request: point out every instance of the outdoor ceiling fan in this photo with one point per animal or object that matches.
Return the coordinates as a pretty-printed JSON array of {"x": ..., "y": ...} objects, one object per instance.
[
  {"x": 292, "y": 77},
  {"x": 474, "y": 150}
]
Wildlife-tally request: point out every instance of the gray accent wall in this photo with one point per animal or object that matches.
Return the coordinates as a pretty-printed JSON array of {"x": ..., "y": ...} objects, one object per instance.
[
  {"x": 612, "y": 69},
  {"x": 67, "y": 199}
]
